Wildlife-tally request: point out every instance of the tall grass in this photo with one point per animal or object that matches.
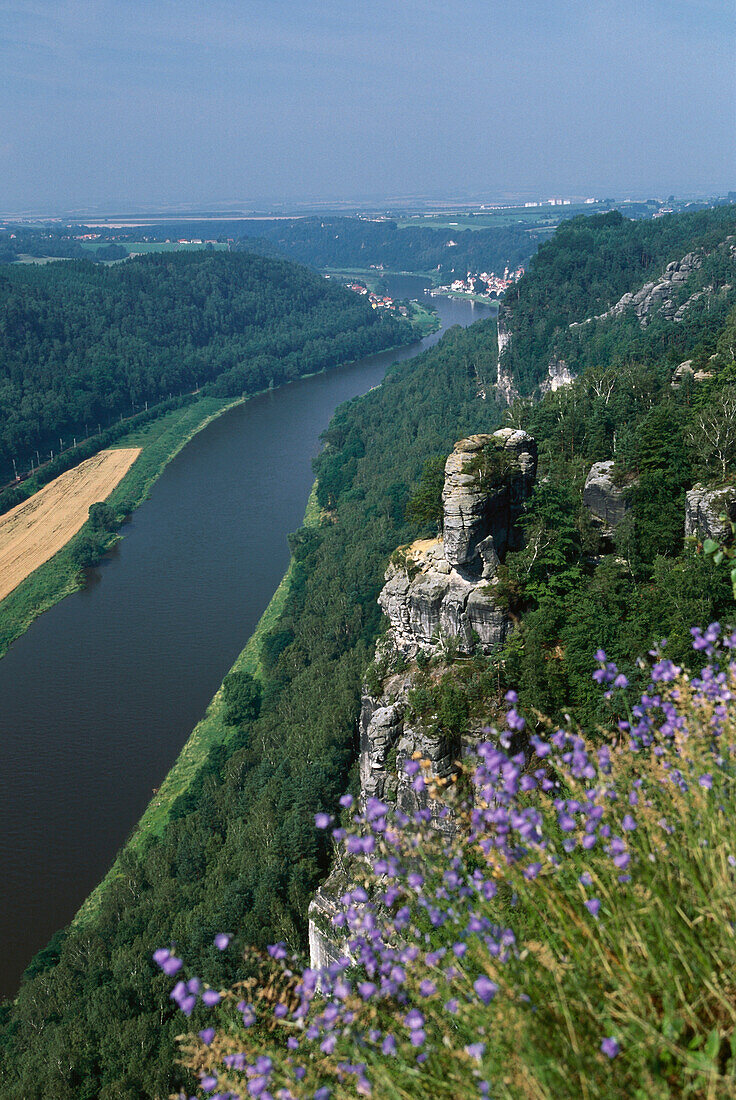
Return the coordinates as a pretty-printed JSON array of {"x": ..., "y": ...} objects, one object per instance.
[{"x": 572, "y": 937}]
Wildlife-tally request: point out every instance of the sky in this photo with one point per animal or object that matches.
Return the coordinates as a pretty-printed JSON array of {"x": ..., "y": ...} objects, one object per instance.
[{"x": 112, "y": 103}]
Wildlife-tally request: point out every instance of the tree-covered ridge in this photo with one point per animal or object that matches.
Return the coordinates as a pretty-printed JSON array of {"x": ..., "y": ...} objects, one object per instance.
[
  {"x": 643, "y": 581},
  {"x": 82, "y": 344},
  {"x": 358, "y": 243},
  {"x": 586, "y": 268}
]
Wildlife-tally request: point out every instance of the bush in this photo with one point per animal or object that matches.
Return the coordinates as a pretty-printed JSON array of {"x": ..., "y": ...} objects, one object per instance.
[
  {"x": 242, "y": 698},
  {"x": 573, "y": 938}
]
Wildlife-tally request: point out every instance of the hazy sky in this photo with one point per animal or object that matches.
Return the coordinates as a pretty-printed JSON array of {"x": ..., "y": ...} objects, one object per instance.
[{"x": 118, "y": 101}]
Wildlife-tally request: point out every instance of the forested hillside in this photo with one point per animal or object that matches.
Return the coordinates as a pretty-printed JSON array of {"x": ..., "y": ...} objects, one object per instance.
[
  {"x": 358, "y": 243},
  {"x": 82, "y": 344},
  {"x": 586, "y": 268},
  {"x": 240, "y": 852}
]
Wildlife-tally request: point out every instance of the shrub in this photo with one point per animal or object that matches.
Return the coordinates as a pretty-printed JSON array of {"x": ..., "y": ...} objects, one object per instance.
[
  {"x": 242, "y": 694},
  {"x": 574, "y": 937}
]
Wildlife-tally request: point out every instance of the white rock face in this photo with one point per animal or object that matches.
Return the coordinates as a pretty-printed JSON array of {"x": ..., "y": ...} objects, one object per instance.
[
  {"x": 602, "y": 497},
  {"x": 703, "y": 509},
  {"x": 505, "y": 388},
  {"x": 558, "y": 376}
]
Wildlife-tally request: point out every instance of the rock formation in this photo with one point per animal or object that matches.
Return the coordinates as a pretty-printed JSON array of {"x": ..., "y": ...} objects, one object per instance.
[
  {"x": 703, "y": 509},
  {"x": 660, "y": 294},
  {"x": 441, "y": 588},
  {"x": 506, "y": 391},
  {"x": 438, "y": 593},
  {"x": 686, "y": 370},
  {"x": 558, "y": 375},
  {"x": 604, "y": 499}
]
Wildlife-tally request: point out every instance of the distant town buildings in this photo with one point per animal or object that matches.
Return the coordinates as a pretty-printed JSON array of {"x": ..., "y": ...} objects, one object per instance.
[
  {"x": 485, "y": 284},
  {"x": 378, "y": 301}
]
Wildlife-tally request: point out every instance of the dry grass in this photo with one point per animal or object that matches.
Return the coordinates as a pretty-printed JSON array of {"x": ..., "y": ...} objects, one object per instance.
[{"x": 35, "y": 530}]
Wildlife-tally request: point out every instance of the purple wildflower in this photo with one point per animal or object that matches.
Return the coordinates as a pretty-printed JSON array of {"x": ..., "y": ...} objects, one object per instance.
[{"x": 485, "y": 988}]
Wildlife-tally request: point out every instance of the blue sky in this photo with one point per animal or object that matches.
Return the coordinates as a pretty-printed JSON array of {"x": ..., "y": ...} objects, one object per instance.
[{"x": 113, "y": 102}]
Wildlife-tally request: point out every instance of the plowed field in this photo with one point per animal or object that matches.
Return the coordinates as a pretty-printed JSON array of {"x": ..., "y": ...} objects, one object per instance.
[{"x": 35, "y": 530}]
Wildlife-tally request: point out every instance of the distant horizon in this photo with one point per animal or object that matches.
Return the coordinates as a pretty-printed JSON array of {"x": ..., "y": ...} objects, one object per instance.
[{"x": 265, "y": 209}]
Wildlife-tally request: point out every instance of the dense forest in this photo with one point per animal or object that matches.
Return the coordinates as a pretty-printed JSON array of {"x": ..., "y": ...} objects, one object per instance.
[
  {"x": 82, "y": 344},
  {"x": 240, "y": 851},
  {"x": 359, "y": 243},
  {"x": 590, "y": 264}
]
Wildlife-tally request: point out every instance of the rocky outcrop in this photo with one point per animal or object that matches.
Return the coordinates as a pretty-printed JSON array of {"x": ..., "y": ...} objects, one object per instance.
[
  {"x": 325, "y": 945},
  {"x": 506, "y": 391},
  {"x": 685, "y": 370},
  {"x": 703, "y": 511},
  {"x": 438, "y": 595},
  {"x": 471, "y": 511},
  {"x": 429, "y": 602},
  {"x": 661, "y": 294},
  {"x": 381, "y": 725},
  {"x": 442, "y": 589},
  {"x": 558, "y": 376},
  {"x": 603, "y": 498}
]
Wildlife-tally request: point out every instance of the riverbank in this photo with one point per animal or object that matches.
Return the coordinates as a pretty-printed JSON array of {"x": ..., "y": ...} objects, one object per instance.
[
  {"x": 464, "y": 296},
  {"x": 160, "y": 441},
  {"x": 210, "y": 731}
]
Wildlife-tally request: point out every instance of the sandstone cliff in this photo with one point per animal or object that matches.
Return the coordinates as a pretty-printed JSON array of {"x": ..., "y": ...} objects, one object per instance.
[
  {"x": 603, "y": 498},
  {"x": 438, "y": 598}
]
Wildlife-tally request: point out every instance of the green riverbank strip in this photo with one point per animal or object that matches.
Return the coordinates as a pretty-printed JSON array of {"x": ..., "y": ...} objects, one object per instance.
[
  {"x": 160, "y": 441},
  {"x": 211, "y": 730}
]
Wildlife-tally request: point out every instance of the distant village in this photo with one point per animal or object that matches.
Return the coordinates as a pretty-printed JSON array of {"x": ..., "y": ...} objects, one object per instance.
[
  {"x": 378, "y": 301},
  {"x": 484, "y": 284}
]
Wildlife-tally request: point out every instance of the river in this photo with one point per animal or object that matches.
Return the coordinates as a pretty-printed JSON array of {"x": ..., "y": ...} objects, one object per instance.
[{"x": 100, "y": 694}]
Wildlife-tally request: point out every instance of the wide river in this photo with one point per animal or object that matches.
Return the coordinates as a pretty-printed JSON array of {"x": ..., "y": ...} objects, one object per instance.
[{"x": 100, "y": 694}]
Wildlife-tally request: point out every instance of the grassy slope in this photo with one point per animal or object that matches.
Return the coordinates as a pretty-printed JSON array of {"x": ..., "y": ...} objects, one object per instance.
[{"x": 211, "y": 730}]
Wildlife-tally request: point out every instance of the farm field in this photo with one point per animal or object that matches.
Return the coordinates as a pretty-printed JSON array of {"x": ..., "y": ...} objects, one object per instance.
[
  {"x": 534, "y": 217},
  {"x": 35, "y": 530}
]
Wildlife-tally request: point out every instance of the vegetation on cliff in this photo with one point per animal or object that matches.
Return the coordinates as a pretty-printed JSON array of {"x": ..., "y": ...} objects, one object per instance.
[
  {"x": 587, "y": 267},
  {"x": 572, "y": 937}
]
